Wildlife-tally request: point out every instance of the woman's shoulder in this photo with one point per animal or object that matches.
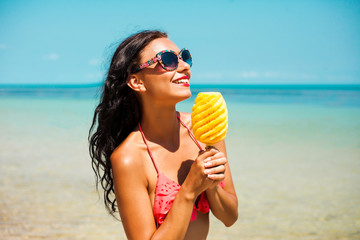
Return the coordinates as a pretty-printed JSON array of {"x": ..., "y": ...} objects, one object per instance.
[
  {"x": 127, "y": 162},
  {"x": 127, "y": 154}
]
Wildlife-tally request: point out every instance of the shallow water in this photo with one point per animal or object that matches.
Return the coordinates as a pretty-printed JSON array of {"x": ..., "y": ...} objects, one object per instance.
[{"x": 296, "y": 169}]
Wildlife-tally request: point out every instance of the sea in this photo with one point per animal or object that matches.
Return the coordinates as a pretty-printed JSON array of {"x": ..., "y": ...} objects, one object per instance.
[{"x": 294, "y": 154}]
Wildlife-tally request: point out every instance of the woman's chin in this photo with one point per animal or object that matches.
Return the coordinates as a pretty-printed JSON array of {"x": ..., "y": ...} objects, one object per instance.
[{"x": 185, "y": 95}]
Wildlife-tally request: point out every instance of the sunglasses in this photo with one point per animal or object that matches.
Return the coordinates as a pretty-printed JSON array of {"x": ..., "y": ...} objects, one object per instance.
[{"x": 168, "y": 59}]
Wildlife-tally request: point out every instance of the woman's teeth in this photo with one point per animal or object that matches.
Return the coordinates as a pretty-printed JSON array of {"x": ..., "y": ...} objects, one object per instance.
[{"x": 181, "y": 81}]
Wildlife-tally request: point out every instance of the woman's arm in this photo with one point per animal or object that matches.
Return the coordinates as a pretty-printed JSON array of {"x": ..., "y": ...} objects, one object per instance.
[
  {"x": 134, "y": 204},
  {"x": 223, "y": 201}
]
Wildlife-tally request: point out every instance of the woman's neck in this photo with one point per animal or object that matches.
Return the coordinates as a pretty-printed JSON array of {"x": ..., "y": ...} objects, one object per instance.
[{"x": 160, "y": 124}]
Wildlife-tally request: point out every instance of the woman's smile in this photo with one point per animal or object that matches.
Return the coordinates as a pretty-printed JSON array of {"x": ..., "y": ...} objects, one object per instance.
[{"x": 182, "y": 81}]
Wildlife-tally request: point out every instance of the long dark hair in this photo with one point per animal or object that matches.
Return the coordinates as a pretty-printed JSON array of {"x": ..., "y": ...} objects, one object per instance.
[{"x": 118, "y": 112}]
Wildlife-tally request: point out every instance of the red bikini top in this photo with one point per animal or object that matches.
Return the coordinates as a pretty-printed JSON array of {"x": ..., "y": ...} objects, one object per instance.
[{"x": 166, "y": 189}]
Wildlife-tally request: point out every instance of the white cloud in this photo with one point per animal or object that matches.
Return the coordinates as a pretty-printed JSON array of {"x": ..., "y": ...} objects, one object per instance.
[
  {"x": 246, "y": 74},
  {"x": 52, "y": 56},
  {"x": 273, "y": 75},
  {"x": 94, "y": 61},
  {"x": 208, "y": 75},
  {"x": 249, "y": 74},
  {"x": 286, "y": 75},
  {"x": 252, "y": 76}
]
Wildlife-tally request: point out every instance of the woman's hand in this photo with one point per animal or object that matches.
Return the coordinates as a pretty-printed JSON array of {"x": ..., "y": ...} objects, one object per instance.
[
  {"x": 222, "y": 200},
  {"x": 197, "y": 181},
  {"x": 206, "y": 172},
  {"x": 215, "y": 167}
]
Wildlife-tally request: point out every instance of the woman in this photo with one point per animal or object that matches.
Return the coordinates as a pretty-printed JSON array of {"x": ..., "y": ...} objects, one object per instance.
[{"x": 143, "y": 150}]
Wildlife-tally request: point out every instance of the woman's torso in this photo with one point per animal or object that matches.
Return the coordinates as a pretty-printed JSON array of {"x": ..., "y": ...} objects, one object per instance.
[{"x": 175, "y": 163}]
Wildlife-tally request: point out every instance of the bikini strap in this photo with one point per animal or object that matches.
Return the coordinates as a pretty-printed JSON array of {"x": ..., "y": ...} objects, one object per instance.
[
  {"x": 148, "y": 148},
  {"x": 190, "y": 133}
]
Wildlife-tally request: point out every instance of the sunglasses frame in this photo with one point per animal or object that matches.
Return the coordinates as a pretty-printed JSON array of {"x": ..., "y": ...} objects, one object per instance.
[{"x": 157, "y": 58}]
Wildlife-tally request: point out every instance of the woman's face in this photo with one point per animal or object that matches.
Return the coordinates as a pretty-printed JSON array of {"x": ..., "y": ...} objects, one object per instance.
[{"x": 161, "y": 85}]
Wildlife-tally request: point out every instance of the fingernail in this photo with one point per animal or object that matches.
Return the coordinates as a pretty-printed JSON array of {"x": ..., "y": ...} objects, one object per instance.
[
  {"x": 208, "y": 164},
  {"x": 211, "y": 176},
  {"x": 207, "y": 171}
]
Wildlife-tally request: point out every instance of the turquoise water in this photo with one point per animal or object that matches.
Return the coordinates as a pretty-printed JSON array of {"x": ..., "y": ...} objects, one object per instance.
[
  {"x": 341, "y": 95},
  {"x": 294, "y": 153}
]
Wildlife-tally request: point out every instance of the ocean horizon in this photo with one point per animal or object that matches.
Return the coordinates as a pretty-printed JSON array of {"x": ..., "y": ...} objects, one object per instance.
[
  {"x": 323, "y": 94},
  {"x": 324, "y": 86}
]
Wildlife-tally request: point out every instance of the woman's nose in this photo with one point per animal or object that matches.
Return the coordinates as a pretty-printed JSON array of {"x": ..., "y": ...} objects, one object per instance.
[{"x": 183, "y": 66}]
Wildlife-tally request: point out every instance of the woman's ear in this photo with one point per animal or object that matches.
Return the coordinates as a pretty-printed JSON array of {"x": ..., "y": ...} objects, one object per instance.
[{"x": 135, "y": 83}]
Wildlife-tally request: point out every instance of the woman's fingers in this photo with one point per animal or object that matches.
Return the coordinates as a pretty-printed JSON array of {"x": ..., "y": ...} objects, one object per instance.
[
  {"x": 219, "y": 155},
  {"x": 216, "y": 177},
  {"x": 207, "y": 155},
  {"x": 215, "y": 166},
  {"x": 211, "y": 162},
  {"x": 211, "y": 147},
  {"x": 215, "y": 170}
]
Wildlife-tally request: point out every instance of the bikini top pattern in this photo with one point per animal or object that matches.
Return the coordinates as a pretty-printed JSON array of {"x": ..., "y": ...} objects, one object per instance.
[{"x": 166, "y": 189}]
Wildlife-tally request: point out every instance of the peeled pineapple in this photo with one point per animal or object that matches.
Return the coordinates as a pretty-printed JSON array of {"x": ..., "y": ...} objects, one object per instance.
[{"x": 209, "y": 117}]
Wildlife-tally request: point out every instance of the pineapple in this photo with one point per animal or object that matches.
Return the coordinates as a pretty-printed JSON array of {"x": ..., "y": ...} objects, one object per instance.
[{"x": 209, "y": 118}]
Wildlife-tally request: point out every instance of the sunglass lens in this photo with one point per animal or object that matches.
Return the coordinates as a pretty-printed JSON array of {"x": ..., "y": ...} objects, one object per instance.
[
  {"x": 186, "y": 57},
  {"x": 170, "y": 60}
]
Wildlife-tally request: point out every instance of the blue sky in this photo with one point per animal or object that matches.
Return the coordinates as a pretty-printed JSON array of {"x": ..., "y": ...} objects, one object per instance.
[{"x": 231, "y": 41}]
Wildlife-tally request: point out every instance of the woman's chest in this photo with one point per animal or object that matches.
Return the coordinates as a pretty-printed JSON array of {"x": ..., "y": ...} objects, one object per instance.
[{"x": 173, "y": 166}]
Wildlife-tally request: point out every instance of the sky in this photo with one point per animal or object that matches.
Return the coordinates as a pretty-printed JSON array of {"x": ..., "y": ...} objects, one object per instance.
[{"x": 234, "y": 41}]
